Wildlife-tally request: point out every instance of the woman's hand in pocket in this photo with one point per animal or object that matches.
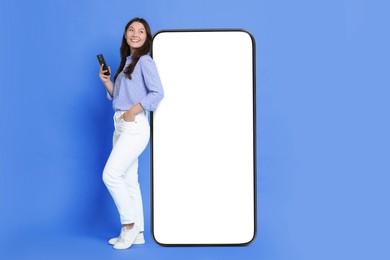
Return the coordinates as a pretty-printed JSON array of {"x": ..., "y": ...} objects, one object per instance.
[{"x": 128, "y": 116}]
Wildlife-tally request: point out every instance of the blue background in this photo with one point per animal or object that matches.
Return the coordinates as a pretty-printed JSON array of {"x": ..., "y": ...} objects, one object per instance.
[{"x": 322, "y": 115}]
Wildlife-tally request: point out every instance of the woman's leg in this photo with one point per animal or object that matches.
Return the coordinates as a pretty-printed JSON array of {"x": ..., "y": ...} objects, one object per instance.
[
  {"x": 130, "y": 139},
  {"x": 133, "y": 187}
]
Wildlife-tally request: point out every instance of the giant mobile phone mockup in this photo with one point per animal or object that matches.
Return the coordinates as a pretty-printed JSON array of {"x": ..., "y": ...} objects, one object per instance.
[{"x": 203, "y": 139}]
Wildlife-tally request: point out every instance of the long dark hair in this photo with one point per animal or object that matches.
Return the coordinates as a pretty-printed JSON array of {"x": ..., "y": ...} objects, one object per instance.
[{"x": 137, "y": 53}]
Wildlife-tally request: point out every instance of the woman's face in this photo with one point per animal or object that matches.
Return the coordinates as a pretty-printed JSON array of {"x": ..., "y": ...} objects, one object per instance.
[{"x": 135, "y": 35}]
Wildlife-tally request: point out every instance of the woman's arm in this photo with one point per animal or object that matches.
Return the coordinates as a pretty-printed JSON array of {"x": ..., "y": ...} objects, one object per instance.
[
  {"x": 154, "y": 86},
  {"x": 152, "y": 82}
]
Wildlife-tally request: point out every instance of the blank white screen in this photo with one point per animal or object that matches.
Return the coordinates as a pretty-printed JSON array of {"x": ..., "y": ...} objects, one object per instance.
[{"x": 202, "y": 145}]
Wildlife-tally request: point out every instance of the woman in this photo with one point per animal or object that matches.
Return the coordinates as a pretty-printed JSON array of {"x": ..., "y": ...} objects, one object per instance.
[{"x": 136, "y": 89}]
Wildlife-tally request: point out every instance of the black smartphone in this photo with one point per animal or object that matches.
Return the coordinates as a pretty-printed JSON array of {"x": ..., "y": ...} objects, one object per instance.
[{"x": 102, "y": 61}]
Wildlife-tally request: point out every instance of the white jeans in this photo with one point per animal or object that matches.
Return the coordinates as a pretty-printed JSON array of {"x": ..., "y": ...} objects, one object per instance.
[{"x": 120, "y": 174}]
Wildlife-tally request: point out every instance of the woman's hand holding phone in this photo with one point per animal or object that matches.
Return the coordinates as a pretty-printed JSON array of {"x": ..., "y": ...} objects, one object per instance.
[{"x": 102, "y": 74}]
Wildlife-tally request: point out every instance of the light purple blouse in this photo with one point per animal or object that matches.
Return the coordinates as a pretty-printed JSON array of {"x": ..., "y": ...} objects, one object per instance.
[{"x": 145, "y": 86}]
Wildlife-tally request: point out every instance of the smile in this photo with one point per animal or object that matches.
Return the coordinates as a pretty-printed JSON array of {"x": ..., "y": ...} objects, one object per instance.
[{"x": 135, "y": 40}]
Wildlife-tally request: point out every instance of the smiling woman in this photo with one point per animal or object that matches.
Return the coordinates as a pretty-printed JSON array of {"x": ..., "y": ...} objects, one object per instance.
[
  {"x": 136, "y": 89},
  {"x": 136, "y": 35},
  {"x": 136, "y": 29}
]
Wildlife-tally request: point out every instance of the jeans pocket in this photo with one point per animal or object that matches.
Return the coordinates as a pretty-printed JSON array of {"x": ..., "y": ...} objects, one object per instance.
[{"x": 129, "y": 122}]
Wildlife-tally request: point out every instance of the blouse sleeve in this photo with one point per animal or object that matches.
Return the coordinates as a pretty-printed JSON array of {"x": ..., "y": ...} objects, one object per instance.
[
  {"x": 109, "y": 97},
  {"x": 152, "y": 82}
]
